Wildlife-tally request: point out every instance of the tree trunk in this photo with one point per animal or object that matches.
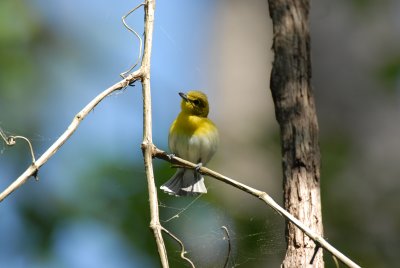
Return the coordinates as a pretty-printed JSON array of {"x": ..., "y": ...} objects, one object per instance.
[{"x": 296, "y": 115}]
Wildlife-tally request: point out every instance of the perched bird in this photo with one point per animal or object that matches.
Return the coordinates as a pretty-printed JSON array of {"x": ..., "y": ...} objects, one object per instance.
[{"x": 193, "y": 137}]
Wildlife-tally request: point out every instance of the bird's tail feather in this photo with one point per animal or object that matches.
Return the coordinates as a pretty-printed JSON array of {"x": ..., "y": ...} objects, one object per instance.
[{"x": 185, "y": 182}]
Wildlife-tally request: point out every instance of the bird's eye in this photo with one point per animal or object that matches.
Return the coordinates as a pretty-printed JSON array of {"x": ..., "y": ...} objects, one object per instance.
[{"x": 196, "y": 102}]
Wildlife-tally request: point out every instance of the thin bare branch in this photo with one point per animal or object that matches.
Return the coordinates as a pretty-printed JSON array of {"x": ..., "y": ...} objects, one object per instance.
[
  {"x": 34, "y": 167},
  {"x": 147, "y": 143},
  {"x": 260, "y": 195}
]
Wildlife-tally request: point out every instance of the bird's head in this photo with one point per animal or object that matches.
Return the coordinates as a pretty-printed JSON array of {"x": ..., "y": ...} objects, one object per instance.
[{"x": 194, "y": 103}]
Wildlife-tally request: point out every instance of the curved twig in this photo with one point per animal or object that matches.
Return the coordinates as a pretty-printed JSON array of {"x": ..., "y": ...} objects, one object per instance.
[
  {"x": 124, "y": 74},
  {"x": 229, "y": 246},
  {"x": 12, "y": 140},
  {"x": 183, "y": 251}
]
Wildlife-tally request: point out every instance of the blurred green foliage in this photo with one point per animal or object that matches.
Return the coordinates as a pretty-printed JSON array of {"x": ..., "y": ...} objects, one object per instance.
[
  {"x": 86, "y": 186},
  {"x": 22, "y": 35},
  {"x": 389, "y": 74}
]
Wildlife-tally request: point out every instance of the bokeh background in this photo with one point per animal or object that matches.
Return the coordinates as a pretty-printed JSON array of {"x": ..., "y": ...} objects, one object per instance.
[{"x": 90, "y": 206}]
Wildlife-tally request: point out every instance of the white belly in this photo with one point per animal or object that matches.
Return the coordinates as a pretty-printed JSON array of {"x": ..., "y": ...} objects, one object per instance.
[{"x": 196, "y": 149}]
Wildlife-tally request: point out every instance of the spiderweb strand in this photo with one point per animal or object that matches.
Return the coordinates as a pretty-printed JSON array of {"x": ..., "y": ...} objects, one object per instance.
[{"x": 182, "y": 210}]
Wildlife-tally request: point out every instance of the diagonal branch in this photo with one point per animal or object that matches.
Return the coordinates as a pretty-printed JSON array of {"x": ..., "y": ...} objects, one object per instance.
[
  {"x": 35, "y": 166},
  {"x": 319, "y": 240}
]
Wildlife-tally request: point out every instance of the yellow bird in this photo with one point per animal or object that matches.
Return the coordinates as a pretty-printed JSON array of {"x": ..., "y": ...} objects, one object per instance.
[{"x": 193, "y": 137}]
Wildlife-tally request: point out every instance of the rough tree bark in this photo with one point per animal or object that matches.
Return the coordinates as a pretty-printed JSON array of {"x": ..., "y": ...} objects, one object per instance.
[{"x": 295, "y": 112}]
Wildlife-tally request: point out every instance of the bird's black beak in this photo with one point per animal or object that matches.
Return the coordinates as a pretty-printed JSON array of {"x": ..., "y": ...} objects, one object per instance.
[{"x": 183, "y": 96}]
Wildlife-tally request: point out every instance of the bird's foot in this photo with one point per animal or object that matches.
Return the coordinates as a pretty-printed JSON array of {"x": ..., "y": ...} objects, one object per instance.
[{"x": 198, "y": 166}]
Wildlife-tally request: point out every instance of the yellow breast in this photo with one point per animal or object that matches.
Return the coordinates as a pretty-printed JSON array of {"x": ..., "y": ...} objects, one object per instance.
[{"x": 193, "y": 138}]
